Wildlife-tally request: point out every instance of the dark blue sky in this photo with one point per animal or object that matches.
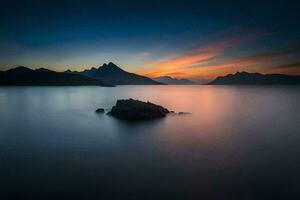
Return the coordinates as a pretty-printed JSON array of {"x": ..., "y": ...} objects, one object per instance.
[{"x": 196, "y": 39}]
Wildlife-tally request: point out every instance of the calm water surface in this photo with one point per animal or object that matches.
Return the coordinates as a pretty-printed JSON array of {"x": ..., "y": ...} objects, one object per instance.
[{"x": 238, "y": 143}]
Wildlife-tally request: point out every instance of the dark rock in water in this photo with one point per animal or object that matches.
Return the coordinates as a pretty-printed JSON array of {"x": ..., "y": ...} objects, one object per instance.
[
  {"x": 135, "y": 110},
  {"x": 100, "y": 110}
]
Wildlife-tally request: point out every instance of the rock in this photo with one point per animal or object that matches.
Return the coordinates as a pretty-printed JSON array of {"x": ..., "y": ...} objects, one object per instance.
[
  {"x": 100, "y": 110},
  {"x": 135, "y": 110}
]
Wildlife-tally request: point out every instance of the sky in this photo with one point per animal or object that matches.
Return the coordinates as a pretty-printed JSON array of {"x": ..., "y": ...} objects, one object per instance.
[{"x": 192, "y": 39}]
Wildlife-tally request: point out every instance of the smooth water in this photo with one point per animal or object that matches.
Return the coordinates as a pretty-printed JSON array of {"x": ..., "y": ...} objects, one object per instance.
[{"x": 240, "y": 142}]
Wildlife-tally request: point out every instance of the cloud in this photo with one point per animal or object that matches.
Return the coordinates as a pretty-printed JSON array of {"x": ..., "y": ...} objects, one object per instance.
[
  {"x": 290, "y": 69},
  {"x": 190, "y": 63},
  {"x": 207, "y": 61}
]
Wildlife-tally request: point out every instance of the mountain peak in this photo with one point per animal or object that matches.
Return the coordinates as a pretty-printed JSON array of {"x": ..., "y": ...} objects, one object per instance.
[
  {"x": 112, "y": 74},
  {"x": 19, "y": 70},
  {"x": 104, "y": 65},
  {"x": 110, "y": 67},
  {"x": 111, "y": 64}
]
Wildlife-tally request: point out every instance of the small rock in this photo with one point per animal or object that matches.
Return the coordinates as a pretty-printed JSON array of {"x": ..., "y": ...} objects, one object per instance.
[{"x": 100, "y": 110}]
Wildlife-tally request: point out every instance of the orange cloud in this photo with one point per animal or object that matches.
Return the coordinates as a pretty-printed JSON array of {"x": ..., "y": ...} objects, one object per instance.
[
  {"x": 167, "y": 66},
  {"x": 198, "y": 61},
  {"x": 208, "y": 72},
  {"x": 204, "y": 63}
]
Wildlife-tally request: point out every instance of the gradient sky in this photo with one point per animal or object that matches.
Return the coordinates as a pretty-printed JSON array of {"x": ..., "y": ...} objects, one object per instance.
[{"x": 185, "y": 39}]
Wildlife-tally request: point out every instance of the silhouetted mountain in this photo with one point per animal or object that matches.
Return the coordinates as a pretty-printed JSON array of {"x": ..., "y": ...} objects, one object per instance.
[
  {"x": 173, "y": 81},
  {"x": 245, "y": 78},
  {"x": 18, "y": 71},
  {"x": 112, "y": 74},
  {"x": 43, "y": 70},
  {"x": 44, "y": 77}
]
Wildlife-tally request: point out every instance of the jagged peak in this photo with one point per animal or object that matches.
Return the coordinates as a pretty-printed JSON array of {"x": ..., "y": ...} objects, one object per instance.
[
  {"x": 110, "y": 66},
  {"x": 104, "y": 65},
  {"x": 245, "y": 73}
]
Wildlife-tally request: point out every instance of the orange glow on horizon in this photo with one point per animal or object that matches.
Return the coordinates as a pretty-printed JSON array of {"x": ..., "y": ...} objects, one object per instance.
[
  {"x": 202, "y": 67},
  {"x": 204, "y": 71},
  {"x": 203, "y": 62}
]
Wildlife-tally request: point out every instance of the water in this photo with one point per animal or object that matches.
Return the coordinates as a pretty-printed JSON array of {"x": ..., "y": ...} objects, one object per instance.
[{"x": 238, "y": 143}]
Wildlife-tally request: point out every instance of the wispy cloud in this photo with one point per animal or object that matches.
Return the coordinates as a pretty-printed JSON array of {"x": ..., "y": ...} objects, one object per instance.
[
  {"x": 207, "y": 61},
  {"x": 194, "y": 56}
]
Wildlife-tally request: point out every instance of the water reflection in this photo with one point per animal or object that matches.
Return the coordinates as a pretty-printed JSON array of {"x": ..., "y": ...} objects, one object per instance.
[{"x": 238, "y": 143}]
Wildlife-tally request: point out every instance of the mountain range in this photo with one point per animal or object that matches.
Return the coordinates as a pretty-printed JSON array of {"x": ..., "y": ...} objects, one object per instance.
[
  {"x": 22, "y": 76},
  {"x": 245, "y": 78},
  {"x": 174, "y": 81},
  {"x": 106, "y": 75},
  {"x": 112, "y": 74}
]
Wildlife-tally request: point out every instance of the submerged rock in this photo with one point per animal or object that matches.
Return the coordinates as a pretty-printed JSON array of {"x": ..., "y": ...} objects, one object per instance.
[
  {"x": 135, "y": 110},
  {"x": 100, "y": 110}
]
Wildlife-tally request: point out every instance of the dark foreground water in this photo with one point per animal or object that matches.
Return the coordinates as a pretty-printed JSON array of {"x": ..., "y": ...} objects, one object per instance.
[{"x": 238, "y": 143}]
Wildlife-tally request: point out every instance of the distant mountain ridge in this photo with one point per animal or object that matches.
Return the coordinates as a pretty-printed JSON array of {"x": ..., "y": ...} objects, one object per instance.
[
  {"x": 112, "y": 74},
  {"x": 245, "y": 78},
  {"x": 174, "y": 81},
  {"x": 23, "y": 76}
]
